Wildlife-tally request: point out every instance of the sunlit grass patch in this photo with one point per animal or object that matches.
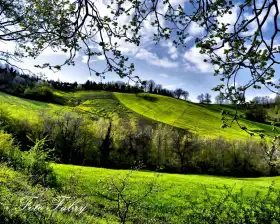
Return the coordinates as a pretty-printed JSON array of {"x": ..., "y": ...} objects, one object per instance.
[{"x": 204, "y": 120}]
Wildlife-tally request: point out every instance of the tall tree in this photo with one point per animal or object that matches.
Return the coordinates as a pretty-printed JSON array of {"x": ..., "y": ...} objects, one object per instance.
[
  {"x": 151, "y": 86},
  {"x": 219, "y": 99},
  {"x": 200, "y": 98},
  {"x": 207, "y": 98},
  {"x": 185, "y": 95},
  {"x": 178, "y": 93},
  {"x": 158, "y": 88}
]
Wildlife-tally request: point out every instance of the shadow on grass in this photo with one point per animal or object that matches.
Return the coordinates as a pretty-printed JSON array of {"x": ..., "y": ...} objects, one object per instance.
[
  {"x": 257, "y": 131},
  {"x": 148, "y": 97}
]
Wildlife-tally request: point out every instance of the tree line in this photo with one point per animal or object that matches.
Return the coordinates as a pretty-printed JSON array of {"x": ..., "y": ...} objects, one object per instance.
[
  {"x": 14, "y": 82},
  {"x": 119, "y": 143}
]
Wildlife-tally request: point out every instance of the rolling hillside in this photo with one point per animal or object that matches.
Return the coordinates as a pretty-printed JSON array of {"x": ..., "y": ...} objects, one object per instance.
[
  {"x": 176, "y": 197},
  {"x": 204, "y": 120},
  {"x": 90, "y": 103}
]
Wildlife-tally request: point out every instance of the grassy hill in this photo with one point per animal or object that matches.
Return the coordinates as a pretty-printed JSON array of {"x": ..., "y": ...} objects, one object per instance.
[
  {"x": 204, "y": 120},
  {"x": 175, "y": 193},
  {"x": 89, "y": 103},
  {"x": 177, "y": 197}
]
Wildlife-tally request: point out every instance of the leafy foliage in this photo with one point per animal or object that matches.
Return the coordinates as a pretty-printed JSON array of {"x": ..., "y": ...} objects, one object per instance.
[
  {"x": 32, "y": 162},
  {"x": 257, "y": 114}
]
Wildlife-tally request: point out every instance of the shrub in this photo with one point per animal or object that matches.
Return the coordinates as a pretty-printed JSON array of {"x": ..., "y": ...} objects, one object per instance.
[
  {"x": 9, "y": 152},
  {"x": 39, "y": 93},
  {"x": 235, "y": 207},
  {"x": 37, "y": 165},
  {"x": 257, "y": 114},
  {"x": 43, "y": 93},
  {"x": 33, "y": 162}
]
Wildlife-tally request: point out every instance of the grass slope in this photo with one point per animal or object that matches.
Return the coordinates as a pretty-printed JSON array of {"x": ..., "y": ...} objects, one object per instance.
[
  {"x": 172, "y": 183},
  {"x": 176, "y": 191},
  {"x": 204, "y": 120},
  {"x": 20, "y": 108},
  {"x": 99, "y": 103},
  {"x": 92, "y": 103}
]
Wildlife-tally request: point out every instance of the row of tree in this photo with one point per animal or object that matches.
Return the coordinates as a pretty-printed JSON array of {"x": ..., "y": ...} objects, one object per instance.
[
  {"x": 11, "y": 80},
  {"x": 204, "y": 98},
  {"x": 120, "y": 143}
]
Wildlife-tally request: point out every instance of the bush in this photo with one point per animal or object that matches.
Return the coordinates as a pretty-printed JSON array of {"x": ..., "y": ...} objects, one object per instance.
[
  {"x": 37, "y": 166},
  {"x": 257, "y": 114},
  {"x": 39, "y": 93},
  {"x": 33, "y": 162},
  {"x": 43, "y": 93},
  {"x": 10, "y": 153},
  {"x": 234, "y": 207}
]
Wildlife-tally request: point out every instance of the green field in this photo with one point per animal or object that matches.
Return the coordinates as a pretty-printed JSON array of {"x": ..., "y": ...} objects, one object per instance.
[
  {"x": 171, "y": 202},
  {"x": 175, "y": 191},
  {"x": 175, "y": 186},
  {"x": 89, "y": 103},
  {"x": 24, "y": 109},
  {"x": 204, "y": 120}
]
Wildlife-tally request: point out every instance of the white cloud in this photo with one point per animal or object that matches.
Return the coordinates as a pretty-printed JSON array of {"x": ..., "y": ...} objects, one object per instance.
[
  {"x": 273, "y": 80},
  {"x": 148, "y": 30},
  {"x": 10, "y": 46},
  {"x": 273, "y": 95},
  {"x": 253, "y": 26},
  {"x": 176, "y": 3},
  {"x": 163, "y": 75},
  {"x": 7, "y": 46},
  {"x": 153, "y": 59},
  {"x": 172, "y": 50},
  {"x": 195, "y": 30},
  {"x": 174, "y": 86},
  {"x": 93, "y": 59},
  {"x": 196, "y": 61},
  {"x": 189, "y": 67},
  {"x": 170, "y": 87},
  {"x": 49, "y": 52},
  {"x": 229, "y": 18}
]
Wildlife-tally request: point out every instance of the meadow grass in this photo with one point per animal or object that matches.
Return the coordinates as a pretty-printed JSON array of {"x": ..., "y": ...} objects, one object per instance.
[
  {"x": 175, "y": 193},
  {"x": 99, "y": 103},
  {"x": 204, "y": 120},
  {"x": 174, "y": 185},
  {"x": 25, "y": 109}
]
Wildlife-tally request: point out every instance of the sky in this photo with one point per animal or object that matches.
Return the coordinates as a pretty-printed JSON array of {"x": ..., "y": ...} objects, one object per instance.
[{"x": 164, "y": 63}]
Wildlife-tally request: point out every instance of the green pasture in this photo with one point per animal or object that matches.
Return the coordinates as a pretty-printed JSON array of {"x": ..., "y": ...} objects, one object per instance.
[
  {"x": 98, "y": 103},
  {"x": 24, "y": 109},
  {"x": 174, "y": 192},
  {"x": 204, "y": 120}
]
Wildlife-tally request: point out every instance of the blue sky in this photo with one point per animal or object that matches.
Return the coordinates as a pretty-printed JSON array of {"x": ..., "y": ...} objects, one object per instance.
[{"x": 165, "y": 64}]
